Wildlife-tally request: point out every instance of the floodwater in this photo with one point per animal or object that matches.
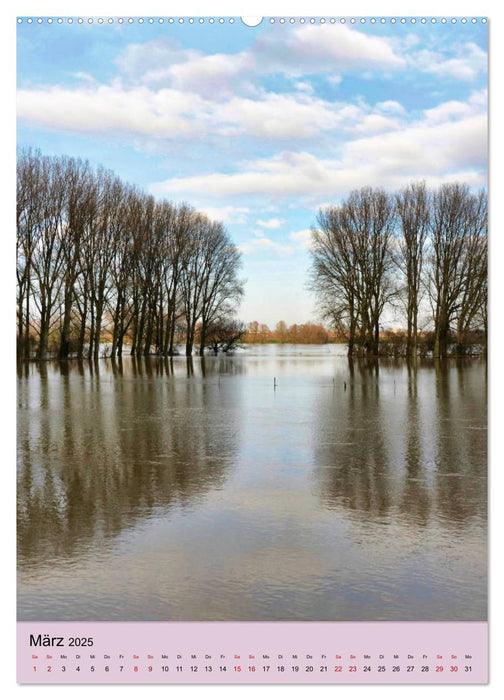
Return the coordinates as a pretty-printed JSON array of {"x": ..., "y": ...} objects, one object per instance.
[{"x": 167, "y": 490}]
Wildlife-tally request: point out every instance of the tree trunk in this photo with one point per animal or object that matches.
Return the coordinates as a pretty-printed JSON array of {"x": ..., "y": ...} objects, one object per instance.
[
  {"x": 44, "y": 333},
  {"x": 202, "y": 339},
  {"x": 97, "y": 333},
  {"x": 441, "y": 342},
  {"x": 27, "y": 323},
  {"x": 91, "y": 332},
  {"x": 82, "y": 331},
  {"x": 117, "y": 325},
  {"x": 140, "y": 329},
  {"x": 20, "y": 338},
  {"x": 189, "y": 340},
  {"x": 64, "y": 349}
]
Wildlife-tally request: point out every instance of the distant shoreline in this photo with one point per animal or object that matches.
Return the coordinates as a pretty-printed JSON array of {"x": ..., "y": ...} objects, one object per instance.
[{"x": 474, "y": 352}]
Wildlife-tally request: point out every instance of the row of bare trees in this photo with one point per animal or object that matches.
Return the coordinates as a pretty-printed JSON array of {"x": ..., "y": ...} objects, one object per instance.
[
  {"x": 97, "y": 256},
  {"x": 419, "y": 249}
]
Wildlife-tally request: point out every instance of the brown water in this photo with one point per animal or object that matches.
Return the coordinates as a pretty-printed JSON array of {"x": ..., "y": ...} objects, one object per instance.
[{"x": 157, "y": 490}]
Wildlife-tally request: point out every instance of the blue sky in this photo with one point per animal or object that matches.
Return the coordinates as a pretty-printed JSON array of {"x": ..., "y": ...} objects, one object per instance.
[{"x": 259, "y": 127}]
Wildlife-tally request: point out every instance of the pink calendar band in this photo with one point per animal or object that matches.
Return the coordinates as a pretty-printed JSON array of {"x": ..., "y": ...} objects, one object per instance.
[{"x": 252, "y": 652}]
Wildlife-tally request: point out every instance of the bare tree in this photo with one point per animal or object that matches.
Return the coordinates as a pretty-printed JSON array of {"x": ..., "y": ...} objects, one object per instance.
[
  {"x": 472, "y": 307},
  {"x": 27, "y": 233},
  {"x": 413, "y": 208},
  {"x": 94, "y": 254},
  {"x": 457, "y": 261},
  {"x": 193, "y": 276},
  {"x": 77, "y": 204},
  {"x": 47, "y": 258},
  {"x": 351, "y": 264},
  {"x": 435, "y": 241},
  {"x": 222, "y": 290},
  {"x": 371, "y": 219},
  {"x": 209, "y": 282},
  {"x": 225, "y": 334},
  {"x": 179, "y": 225},
  {"x": 334, "y": 272},
  {"x": 122, "y": 270},
  {"x": 107, "y": 230}
]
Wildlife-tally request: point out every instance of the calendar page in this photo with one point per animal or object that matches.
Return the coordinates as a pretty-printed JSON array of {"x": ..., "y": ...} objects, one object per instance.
[{"x": 251, "y": 335}]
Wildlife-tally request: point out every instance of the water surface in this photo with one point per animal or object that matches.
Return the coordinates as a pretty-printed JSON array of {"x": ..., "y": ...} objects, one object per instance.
[{"x": 174, "y": 490}]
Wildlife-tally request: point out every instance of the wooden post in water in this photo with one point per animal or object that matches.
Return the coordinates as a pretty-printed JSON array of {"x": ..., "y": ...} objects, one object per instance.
[{"x": 274, "y": 383}]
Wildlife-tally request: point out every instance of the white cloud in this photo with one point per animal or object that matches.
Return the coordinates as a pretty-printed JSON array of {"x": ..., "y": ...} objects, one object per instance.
[
  {"x": 428, "y": 149},
  {"x": 302, "y": 51},
  {"x": 169, "y": 114},
  {"x": 256, "y": 245},
  {"x": 302, "y": 237},
  {"x": 266, "y": 117},
  {"x": 137, "y": 61},
  {"x": 165, "y": 113},
  {"x": 455, "y": 109},
  {"x": 431, "y": 148},
  {"x": 448, "y": 110},
  {"x": 462, "y": 62},
  {"x": 227, "y": 214},
  {"x": 166, "y": 91},
  {"x": 304, "y": 87},
  {"x": 374, "y": 123},
  {"x": 163, "y": 61},
  {"x": 209, "y": 75},
  {"x": 327, "y": 47},
  {"x": 390, "y": 106},
  {"x": 85, "y": 77},
  {"x": 169, "y": 93},
  {"x": 271, "y": 223},
  {"x": 284, "y": 174}
]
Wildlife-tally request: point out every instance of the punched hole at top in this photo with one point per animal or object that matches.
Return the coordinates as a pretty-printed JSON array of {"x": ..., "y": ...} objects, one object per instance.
[{"x": 251, "y": 21}]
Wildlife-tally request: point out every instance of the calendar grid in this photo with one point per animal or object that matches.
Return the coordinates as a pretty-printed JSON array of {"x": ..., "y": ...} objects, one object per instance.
[{"x": 246, "y": 653}]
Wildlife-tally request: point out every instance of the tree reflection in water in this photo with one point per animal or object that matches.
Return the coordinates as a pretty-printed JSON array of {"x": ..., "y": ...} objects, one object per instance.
[
  {"x": 409, "y": 455},
  {"x": 101, "y": 451}
]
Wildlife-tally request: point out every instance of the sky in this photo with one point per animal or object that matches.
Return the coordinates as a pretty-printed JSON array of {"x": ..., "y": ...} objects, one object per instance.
[{"x": 261, "y": 126}]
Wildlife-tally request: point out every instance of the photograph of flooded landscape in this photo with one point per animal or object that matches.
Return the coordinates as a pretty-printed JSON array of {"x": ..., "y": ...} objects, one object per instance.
[{"x": 252, "y": 320}]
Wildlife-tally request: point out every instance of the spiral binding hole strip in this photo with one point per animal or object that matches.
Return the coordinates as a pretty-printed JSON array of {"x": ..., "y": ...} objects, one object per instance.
[{"x": 233, "y": 20}]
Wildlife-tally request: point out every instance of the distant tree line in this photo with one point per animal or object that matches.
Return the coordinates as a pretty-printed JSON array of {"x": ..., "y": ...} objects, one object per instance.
[
  {"x": 419, "y": 249},
  {"x": 96, "y": 255},
  {"x": 303, "y": 333}
]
